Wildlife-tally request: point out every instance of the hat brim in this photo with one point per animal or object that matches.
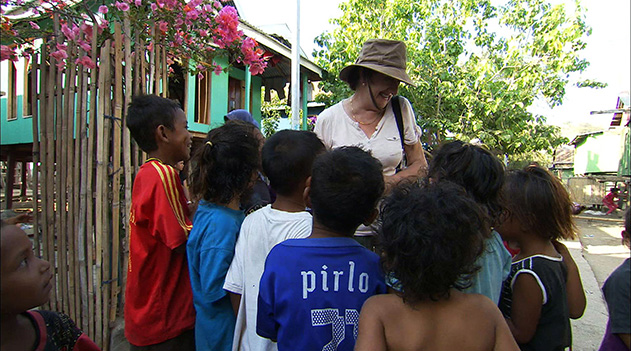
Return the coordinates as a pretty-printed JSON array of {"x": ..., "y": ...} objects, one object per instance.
[{"x": 392, "y": 72}]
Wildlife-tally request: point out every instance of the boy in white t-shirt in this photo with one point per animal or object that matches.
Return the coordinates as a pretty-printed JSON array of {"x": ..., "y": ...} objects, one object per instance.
[{"x": 287, "y": 160}]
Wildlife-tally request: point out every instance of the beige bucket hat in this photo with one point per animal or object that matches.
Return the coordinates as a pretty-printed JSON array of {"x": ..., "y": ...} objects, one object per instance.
[{"x": 384, "y": 56}]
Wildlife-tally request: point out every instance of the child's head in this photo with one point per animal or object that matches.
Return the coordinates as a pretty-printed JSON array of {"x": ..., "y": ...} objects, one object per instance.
[
  {"x": 226, "y": 163},
  {"x": 431, "y": 235},
  {"x": 154, "y": 121},
  {"x": 26, "y": 279},
  {"x": 537, "y": 202},
  {"x": 474, "y": 168},
  {"x": 288, "y": 156},
  {"x": 346, "y": 184}
]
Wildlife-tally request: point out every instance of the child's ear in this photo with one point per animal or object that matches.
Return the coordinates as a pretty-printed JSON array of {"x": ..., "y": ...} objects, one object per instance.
[
  {"x": 161, "y": 134},
  {"x": 372, "y": 217},
  {"x": 306, "y": 195}
]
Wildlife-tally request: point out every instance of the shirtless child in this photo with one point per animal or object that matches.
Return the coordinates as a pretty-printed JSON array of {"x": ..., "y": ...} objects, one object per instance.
[{"x": 431, "y": 235}]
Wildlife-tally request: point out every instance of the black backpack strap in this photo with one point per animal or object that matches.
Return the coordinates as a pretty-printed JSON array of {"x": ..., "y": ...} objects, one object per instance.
[{"x": 396, "y": 108}]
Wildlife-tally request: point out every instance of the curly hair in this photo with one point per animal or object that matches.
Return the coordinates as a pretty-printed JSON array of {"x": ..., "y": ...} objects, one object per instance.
[
  {"x": 346, "y": 184},
  {"x": 474, "y": 168},
  {"x": 145, "y": 113},
  {"x": 430, "y": 237},
  {"x": 224, "y": 165},
  {"x": 288, "y": 156},
  {"x": 540, "y": 203}
]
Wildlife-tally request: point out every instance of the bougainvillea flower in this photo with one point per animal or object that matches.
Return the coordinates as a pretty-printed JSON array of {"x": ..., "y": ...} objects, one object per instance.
[
  {"x": 103, "y": 9},
  {"x": 121, "y": 6},
  {"x": 34, "y": 25},
  {"x": 86, "y": 61}
]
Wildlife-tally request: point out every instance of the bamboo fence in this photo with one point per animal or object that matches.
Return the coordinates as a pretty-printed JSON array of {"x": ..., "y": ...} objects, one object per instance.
[{"x": 84, "y": 163}]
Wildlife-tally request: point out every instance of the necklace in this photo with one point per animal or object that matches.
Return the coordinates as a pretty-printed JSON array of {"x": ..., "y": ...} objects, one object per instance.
[{"x": 358, "y": 121}]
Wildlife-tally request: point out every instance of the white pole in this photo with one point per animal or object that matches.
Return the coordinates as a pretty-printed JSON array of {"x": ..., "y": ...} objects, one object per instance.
[{"x": 295, "y": 72}]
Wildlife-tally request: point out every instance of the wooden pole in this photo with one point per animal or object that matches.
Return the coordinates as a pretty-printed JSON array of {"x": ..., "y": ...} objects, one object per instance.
[
  {"x": 69, "y": 149},
  {"x": 81, "y": 199},
  {"x": 89, "y": 225},
  {"x": 43, "y": 113},
  {"x": 101, "y": 178},
  {"x": 50, "y": 181},
  {"x": 35, "y": 97},
  {"x": 126, "y": 155}
]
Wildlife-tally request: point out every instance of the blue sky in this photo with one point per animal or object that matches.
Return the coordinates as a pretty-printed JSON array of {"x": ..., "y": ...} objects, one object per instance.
[{"x": 608, "y": 50}]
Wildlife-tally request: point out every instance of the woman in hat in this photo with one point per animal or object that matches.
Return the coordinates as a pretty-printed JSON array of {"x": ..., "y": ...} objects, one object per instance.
[{"x": 366, "y": 119}]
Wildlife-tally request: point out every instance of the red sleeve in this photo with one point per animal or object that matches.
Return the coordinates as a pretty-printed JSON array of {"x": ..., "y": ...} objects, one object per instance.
[
  {"x": 85, "y": 344},
  {"x": 169, "y": 214}
]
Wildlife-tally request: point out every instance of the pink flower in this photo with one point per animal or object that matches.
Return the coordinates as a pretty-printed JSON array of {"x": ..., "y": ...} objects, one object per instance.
[
  {"x": 258, "y": 68},
  {"x": 200, "y": 75},
  {"x": 7, "y": 53},
  {"x": 150, "y": 47},
  {"x": 154, "y": 7},
  {"x": 163, "y": 26},
  {"x": 217, "y": 70},
  {"x": 192, "y": 15},
  {"x": 68, "y": 32},
  {"x": 34, "y": 25},
  {"x": 86, "y": 61},
  {"x": 59, "y": 55},
  {"x": 217, "y": 5},
  {"x": 104, "y": 24},
  {"x": 121, "y": 6},
  {"x": 62, "y": 47},
  {"x": 85, "y": 46},
  {"x": 103, "y": 9},
  {"x": 203, "y": 32},
  {"x": 138, "y": 2}
]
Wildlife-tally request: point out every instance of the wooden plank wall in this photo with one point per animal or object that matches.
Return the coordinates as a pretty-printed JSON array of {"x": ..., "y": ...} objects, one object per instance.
[{"x": 83, "y": 180}]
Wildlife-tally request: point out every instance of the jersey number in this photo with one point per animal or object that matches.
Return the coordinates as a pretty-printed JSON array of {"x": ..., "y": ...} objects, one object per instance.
[{"x": 325, "y": 316}]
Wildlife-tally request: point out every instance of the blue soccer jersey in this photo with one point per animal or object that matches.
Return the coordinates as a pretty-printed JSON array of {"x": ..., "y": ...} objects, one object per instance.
[{"x": 312, "y": 291}]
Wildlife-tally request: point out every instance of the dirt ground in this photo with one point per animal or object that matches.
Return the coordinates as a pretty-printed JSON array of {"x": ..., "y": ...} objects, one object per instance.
[{"x": 597, "y": 252}]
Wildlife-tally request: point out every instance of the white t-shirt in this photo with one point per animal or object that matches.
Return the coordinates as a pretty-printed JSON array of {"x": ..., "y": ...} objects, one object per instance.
[
  {"x": 336, "y": 128},
  {"x": 260, "y": 232}
]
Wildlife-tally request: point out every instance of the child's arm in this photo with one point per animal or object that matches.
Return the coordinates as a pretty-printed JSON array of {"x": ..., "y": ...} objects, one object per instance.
[
  {"x": 504, "y": 340},
  {"x": 235, "y": 300},
  {"x": 526, "y": 308},
  {"x": 575, "y": 294},
  {"x": 371, "y": 335}
]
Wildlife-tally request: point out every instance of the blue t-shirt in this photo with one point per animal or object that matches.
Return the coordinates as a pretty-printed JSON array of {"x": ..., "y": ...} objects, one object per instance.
[
  {"x": 495, "y": 266},
  {"x": 210, "y": 249},
  {"x": 312, "y": 291}
]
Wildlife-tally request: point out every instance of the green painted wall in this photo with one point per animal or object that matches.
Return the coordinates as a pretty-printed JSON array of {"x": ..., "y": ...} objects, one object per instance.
[
  {"x": 599, "y": 153},
  {"x": 219, "y": 98},
  {"x": 16, "y": 131}
]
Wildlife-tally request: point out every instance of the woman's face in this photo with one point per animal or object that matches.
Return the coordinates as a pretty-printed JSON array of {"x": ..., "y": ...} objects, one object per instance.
[{"x": 383, "y": 88}]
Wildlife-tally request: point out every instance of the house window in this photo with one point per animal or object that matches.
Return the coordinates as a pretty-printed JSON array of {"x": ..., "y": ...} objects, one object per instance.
[
  {"x": 12, "y": 99},
  {"x": 202, "y": 100},
  {"x": 29, "y": 89}
]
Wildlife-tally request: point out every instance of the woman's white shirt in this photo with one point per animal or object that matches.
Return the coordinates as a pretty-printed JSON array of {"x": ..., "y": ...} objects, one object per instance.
[{"x": 336, "y": 128}]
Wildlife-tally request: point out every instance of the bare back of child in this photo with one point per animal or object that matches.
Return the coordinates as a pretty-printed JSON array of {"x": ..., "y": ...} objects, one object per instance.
[{"x": 431, "y": 236}]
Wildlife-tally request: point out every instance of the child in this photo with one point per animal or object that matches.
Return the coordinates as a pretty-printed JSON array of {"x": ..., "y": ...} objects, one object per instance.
[
  {"x": 482, "y": 175},
  {"x": 534, "y": 297},
  {"x": 617, "y": 291},
  {"x": 225, "y": 168},
  {"x": 158, "y": 298},
  {"x": 26, "y": 284},
  {"x": 608, "y": 200},
  {"x": 431, "y": 237},
  {"x": 312, "y": 289},
  {"x": 288, "y": 157}
]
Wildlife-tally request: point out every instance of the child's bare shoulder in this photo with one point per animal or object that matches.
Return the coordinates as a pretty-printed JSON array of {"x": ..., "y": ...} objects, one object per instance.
[{"x": 383, "y": 303}]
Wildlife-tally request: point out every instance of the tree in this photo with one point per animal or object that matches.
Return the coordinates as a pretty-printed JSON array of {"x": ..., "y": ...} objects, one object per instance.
[{"x": 478, "y": 67}]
